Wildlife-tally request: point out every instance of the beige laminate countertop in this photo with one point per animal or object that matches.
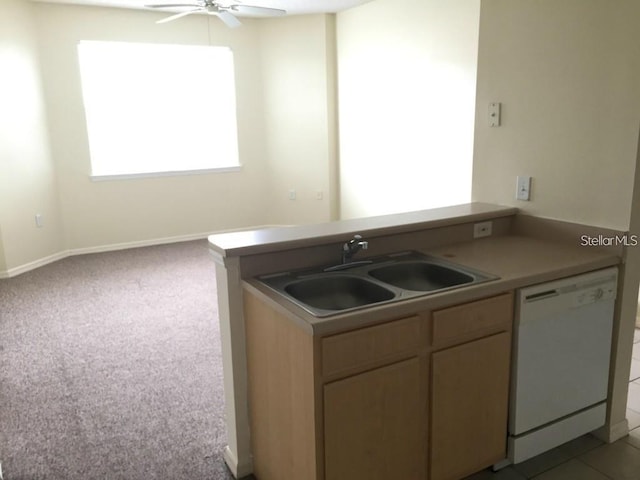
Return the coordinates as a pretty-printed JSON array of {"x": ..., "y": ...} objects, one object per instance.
[
  {"x": 518, "y": 261},
  {"x": 269, "y": 240}
]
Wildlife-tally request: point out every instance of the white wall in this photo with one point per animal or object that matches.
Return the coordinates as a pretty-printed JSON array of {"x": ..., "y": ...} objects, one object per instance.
[
  {"x": 297, "y": 67},
  {"x": 406, "y": 83},
  {"x": 103, "y": 213},
  {"x": 27, "y": 177},
  {"x": 271, "y": 133},
  {"x": 568, "y": 76}
]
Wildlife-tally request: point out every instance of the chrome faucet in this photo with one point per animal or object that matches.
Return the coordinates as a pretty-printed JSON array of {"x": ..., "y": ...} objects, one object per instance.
[{"x": 353, "y": 246}]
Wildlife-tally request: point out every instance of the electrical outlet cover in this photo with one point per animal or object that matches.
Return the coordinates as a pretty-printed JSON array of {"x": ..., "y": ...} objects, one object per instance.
[{"x": 482, "y": 229}]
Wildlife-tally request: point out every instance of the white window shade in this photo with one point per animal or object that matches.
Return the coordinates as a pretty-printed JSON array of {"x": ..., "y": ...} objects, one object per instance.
[{"x": 154, "y": 108}]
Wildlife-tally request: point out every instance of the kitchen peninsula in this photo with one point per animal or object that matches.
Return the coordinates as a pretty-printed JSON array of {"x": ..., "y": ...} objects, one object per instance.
[{"x": 327, "y": 361}]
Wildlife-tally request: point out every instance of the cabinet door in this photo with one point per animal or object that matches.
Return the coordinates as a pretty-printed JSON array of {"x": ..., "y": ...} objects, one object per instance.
[
  {"x": 375, "y": 424},
  {"x": 469, "y": 399}
]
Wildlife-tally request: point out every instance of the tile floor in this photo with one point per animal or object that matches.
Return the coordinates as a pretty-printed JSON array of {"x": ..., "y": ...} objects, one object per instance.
[{"x": 587, "y": 458}]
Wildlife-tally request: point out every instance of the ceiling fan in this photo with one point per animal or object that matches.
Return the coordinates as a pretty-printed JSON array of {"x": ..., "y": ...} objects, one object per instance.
[{"x": 225, "y": 12}]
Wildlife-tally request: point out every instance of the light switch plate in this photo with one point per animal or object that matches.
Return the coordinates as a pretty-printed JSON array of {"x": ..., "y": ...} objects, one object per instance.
[{"x": 523, "y": 188}]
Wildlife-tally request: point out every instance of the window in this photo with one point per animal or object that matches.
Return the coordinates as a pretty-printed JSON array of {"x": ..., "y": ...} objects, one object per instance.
[{"x": 158, "y": 109}]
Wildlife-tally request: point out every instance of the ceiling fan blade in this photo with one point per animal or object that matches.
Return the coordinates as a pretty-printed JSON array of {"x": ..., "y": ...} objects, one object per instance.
[
  {"x": 228, "y": 18},
  {"x": 179, "y": 15},
  {"x": 173, "y": 5},
  {"x": 254, "y": 10}
]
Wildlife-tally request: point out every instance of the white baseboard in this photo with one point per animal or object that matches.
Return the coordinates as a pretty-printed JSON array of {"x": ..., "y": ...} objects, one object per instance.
[
  {"x": 137, "y": 244},
  {"x": 612, "y": 432},
  {"x": 12, "y": 272},
  {"x": 237, "y": 469},
  {"x": 41, "y": 262}
]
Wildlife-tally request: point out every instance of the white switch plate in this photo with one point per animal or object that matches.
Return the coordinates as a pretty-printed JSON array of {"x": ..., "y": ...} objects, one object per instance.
[
  {"x": 292, "y": 194},
  {"x": 482, "y": 229},
  {"x": 523, "y": 188},
  {"x": 494, "y": 114},
  {"x": 39, "y": 222}
]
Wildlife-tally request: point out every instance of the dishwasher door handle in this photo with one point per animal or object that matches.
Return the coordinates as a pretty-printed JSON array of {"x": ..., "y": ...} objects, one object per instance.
[{"x": 534, "y": 297}]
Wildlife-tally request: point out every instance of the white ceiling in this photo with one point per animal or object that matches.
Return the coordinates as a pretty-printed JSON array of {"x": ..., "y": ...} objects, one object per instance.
[{"x": 293, "y": 7}]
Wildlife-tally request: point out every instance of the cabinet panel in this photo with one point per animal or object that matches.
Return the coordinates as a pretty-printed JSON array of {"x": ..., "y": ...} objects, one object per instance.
[
  {"x": 375, "y": 424},
  {"x": 472, "y": 320},
  {"x": 281, "y": 393},
  {"x": 469, "y": 399},
  {"x": 369, "y": 346}
]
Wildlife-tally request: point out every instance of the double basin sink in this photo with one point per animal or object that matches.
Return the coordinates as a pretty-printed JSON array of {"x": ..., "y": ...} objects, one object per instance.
[{"x": 326, "y": 291}]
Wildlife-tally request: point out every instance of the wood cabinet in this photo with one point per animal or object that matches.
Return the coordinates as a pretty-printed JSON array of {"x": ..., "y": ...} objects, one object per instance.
[
  {"x": 375, "y": 401},
  {"x": 422, "y": 397},
  {"x": 470, "y": 387},
  {"x": 375, "y": 424},
  {"x": 469, "y": 407},
  {"x": 283, "y": 411},
  {"x": 359, "y": 350}
]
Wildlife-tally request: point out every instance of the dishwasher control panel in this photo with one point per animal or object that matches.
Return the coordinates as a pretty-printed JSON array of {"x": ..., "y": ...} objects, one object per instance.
[{"x": 595, "y": 294}]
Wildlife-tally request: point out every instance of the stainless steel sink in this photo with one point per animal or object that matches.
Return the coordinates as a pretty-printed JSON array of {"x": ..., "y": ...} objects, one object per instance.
[
  {"x": 422, "y": 276},
  {"x": 337, "y": 292},
  {"x": 329, "y": 290}
]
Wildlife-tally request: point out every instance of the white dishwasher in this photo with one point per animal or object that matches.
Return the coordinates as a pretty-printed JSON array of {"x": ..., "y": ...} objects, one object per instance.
[{"x": 561, "y": 353}]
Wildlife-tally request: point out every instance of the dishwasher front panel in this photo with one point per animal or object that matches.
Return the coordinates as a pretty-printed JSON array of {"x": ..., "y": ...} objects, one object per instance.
[{"x": 562, "y": 348}]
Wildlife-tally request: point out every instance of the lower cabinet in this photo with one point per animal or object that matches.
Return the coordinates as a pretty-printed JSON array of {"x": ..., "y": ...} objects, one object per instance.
[
  {"x": 469, "y": 401},
  {"x": 375, "y": 424},
  {"x": 417, "y": 398}
]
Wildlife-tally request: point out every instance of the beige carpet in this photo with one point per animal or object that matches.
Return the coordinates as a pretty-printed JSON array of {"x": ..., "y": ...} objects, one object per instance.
[{"x": 110, "y": 368}]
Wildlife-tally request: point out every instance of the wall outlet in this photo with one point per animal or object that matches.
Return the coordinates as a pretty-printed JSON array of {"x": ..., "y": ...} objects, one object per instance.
[
  {"x": 482, "y": 229},
  {"x": 292, "y": 194},
  {"x": 39, "y": 221}
]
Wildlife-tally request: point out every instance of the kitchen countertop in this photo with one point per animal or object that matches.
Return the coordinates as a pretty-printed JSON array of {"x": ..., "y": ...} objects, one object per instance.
[
  {"x": 269, "y": 240},
  {"x": 519, "y": 261}
]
